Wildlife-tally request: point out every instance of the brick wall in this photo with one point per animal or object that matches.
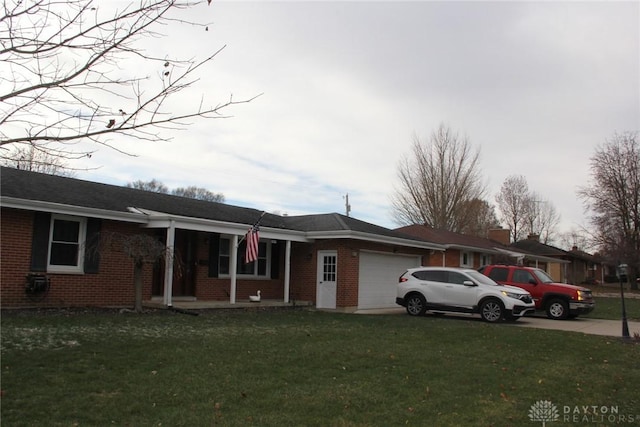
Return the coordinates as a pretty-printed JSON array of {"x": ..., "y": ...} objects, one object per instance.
[
  {"x": 304, "y": 266},
  {"x": 113, "y": 286}
]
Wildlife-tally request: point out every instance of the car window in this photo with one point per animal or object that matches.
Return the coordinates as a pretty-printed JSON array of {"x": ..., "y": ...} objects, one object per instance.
[
  {"x": 456, "y": 278},
  {"x": 542, "y": 276},
  {"x": 431, "y": 275},
  {"x": 499, "y": 274},
  {"x": 480, "y": 278},
  {"x": 522, "y": 276}
]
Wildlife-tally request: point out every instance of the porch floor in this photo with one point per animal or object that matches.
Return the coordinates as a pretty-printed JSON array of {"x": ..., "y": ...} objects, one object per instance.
[{"x": 206, "y": 305}]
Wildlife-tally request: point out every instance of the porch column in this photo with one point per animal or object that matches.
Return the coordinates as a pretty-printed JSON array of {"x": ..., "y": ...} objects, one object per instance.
[
  {"x": 233, "y": 268},
  {"x": 287, "y": 270},
  {"x": 168, "y": 267}
]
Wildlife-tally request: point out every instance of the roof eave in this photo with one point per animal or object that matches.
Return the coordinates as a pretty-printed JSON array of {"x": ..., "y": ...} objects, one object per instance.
[
  {"x": 62, "y": 209},
  {"x": 377, "y": 238}
]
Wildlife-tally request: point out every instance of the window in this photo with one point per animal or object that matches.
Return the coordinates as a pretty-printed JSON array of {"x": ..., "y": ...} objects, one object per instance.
[
  {"x": 431, "y": 275},
  {"x": 499, "y": 274},
  {"x": 522, "y": 276},
  {"x": 485, "y": 260},
  {"x": 66, "y": 244},
  {"x": 258, "y": 268},
  {"x": 466, "y": 259},
  {"x": 456, "y": 278}
]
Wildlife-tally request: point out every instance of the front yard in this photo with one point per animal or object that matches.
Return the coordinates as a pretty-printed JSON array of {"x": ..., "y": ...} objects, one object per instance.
[{"x": 302, "y": 367}]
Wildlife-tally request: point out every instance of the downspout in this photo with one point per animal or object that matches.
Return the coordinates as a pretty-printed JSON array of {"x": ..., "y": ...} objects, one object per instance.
[
  {"x": 287, "y": 270},
  {"x": 444, "y": 263},
  {"x": 233, "y": 268},
  {"x": 168, "y": 270}
]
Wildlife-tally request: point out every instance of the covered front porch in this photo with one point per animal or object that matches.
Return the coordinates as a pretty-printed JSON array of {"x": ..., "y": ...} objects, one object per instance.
[{"x": 189, "y": 304}]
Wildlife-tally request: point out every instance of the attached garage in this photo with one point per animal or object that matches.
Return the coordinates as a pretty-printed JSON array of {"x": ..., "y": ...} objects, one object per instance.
[{"x": 378, "y": 276}]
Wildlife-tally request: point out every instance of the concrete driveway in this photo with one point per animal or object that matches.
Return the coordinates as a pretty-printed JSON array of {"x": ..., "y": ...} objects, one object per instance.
[{"x": 612, "y": 328}]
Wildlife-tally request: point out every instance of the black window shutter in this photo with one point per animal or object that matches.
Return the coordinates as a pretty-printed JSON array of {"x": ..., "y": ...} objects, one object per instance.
[
  {"x": 275, "y": 260},
  {"x": 40, "y": 241},
  {"x": 92, "y": 246},
  {"x": 214, "y": 253}
]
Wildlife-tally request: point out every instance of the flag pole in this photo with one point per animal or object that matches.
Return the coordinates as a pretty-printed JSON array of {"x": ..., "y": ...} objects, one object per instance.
[{"x": 254, "y": 224}]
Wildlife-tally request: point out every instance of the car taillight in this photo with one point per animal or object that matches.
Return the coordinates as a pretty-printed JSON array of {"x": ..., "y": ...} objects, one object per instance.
[{"x": 402, "y": 279}]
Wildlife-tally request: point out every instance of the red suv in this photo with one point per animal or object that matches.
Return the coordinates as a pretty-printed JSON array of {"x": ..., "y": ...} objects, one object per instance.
[{"x": 558, "y": 300}]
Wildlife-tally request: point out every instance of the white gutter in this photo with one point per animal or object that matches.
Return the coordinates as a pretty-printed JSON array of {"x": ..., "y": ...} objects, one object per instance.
[
  {"x": 58, "y": 208},
  {"x": 349, "y": 234},
  {"x": 162, "y": 220}
]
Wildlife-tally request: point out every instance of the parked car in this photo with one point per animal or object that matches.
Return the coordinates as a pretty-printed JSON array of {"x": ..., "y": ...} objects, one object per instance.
[
  {"x": 448, "y": 289},
  {"x": 558, "y": 300}
]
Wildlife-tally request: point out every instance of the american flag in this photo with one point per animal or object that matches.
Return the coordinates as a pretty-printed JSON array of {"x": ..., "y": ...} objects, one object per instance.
[{"x": 252, "y": 238}]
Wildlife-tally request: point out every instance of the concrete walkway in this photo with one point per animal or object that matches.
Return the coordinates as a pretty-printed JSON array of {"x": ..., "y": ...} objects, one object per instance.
[{"x": 612, "y": 328}]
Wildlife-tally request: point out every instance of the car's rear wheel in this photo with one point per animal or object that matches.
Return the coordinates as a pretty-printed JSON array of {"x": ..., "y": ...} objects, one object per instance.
[
  {"x": 557, "y": 309},
  {"x": 416, "y": 305},
  {"x": 491, "y": 310}
]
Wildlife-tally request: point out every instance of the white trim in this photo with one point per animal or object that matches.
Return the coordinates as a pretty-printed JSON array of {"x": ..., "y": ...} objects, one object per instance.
[
  {"x": 287, "y": 270},
  {"x": 358, "y": 235},
  {"x": 168, "y": 269},
  {"x": 57, "y": 208},
  {"x": 82, "y": 237},
  {"x": 469, "y": 263}
]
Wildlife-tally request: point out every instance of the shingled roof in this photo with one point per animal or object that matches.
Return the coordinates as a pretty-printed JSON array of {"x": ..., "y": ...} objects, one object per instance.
[
  {"x": 452, "y": 239},
  {"x": 34, "y": 186},
  {"x": 26, "y": 185}
]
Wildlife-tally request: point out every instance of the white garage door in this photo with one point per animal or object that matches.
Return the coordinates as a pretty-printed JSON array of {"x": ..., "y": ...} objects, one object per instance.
[{"x": 379, "y": 275}]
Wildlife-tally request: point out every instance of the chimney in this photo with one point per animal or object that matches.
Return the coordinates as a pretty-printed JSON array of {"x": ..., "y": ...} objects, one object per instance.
[
  {"x": 533, "y": 236},
  {"x": 500, "y": 235}
]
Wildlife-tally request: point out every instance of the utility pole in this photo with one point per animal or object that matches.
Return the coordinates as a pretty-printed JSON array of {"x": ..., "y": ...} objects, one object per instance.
[{"x": 346, "y": 204}]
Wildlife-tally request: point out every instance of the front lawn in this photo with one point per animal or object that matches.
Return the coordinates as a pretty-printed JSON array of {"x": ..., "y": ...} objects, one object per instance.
[
  {"x": 303, "y": 368},
  {"x": 611, "y": 308}
]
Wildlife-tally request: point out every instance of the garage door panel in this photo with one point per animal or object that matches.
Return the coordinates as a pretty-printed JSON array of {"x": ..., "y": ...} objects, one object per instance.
[{"x": 378, "y": 278}]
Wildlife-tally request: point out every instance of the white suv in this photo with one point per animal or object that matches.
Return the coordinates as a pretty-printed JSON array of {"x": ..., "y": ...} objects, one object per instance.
[{"x": 441, "y": 289}]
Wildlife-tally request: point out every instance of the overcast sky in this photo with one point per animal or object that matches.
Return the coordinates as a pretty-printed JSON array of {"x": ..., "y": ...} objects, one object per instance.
[{"x": 536, "y": 86}]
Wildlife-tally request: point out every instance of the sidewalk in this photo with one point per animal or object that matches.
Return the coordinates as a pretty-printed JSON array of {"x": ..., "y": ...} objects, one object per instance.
[{"x": 612, "y": 328}]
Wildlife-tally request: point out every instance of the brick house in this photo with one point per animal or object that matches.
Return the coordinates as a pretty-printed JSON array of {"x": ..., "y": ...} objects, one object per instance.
[
  {"x": 467, "y": 251},
  {"x": 574, "y": 266},
  {"x": 48, "y": 223}
]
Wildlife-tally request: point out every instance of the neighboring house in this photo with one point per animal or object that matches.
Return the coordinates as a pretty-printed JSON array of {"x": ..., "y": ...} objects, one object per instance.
[
  {"x": 330, "y": 260},
  {"x": 575, "y": 267},
  {"x": 462, "y": 250}
]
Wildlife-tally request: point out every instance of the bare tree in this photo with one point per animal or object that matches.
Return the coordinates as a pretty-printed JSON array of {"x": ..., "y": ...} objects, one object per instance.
[
  {"x": 62, "y": 78},
  {"x": 438, "y": 181},
  {"x": 541, "y": 218},
  {"x": 579, "y": 238},
  {"x": 613, "y": 198},
  {"x": 154, "y": 186},
  {"x": 513, "y": 200},
  {"x": 484, "y": 219},
  {"x": 141, "y": 249},
  {"x": 191, "y": 192},
  {"x": 199, "y": 193},
  {"x": 31, "y": 159}
]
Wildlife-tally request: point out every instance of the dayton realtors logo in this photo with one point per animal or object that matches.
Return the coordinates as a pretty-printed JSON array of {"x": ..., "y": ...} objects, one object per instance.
[{"x": 545, "y": 411}]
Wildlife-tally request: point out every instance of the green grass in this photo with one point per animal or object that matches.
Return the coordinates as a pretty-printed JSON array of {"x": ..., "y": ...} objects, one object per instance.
[
  {"x": 611, "y": 308},
  {"x": 300, "y": 368}
]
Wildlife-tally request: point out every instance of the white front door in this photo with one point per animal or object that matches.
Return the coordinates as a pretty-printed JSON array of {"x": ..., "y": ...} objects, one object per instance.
[{"x": 327, "y": 279}]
